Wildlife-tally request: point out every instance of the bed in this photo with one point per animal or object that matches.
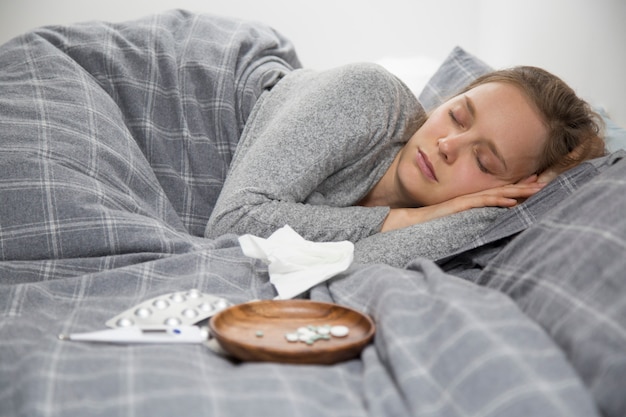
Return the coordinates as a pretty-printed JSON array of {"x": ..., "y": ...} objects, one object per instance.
[{"x": 109, "y": 170}]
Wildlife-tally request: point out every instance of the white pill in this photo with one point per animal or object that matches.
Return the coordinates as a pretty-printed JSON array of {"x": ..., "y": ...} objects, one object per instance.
[
  {"x": 172, "y": 321},
  {"x": 323, "y": 330},
  {"x": 291, "y": 337},
  {"x": 124, "y": 322},
  {"x": 143, "y": 312},
  {"x": 220, "y": 304},
  {"x": 339, "y": 331},
  {"x": 205, "y": 306},
  {"x": 193, "y": 293},
  {"x": 177, "y": 298},
  {"x": 161, "y": 304},
  {"x": 190, "y": 313}
]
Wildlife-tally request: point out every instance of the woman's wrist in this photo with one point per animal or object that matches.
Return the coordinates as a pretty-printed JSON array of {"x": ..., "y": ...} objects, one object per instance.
[{"x": 399, "y": 218}]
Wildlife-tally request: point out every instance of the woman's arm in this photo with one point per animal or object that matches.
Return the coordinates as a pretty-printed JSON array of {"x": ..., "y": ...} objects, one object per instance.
[
  {"x": 433, "y": 239},
  {"x": 312, "y": 148},
  {"x": 504, "y": 196}
]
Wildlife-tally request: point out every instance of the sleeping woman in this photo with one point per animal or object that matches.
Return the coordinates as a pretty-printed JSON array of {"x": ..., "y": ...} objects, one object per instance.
[
  {"x": 348, "y": 153},
  {"x": 146, "y": 136}
]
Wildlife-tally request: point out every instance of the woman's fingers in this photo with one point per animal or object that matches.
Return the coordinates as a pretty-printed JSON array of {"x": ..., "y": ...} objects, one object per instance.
[
  {"x": 505, "y": 196},
  {"x": 517, "y": 190},
  {"x": 529, "y": 180}
]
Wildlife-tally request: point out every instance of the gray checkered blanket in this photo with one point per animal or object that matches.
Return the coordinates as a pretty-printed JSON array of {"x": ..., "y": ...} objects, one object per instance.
[{"x": 114, "y": 141}]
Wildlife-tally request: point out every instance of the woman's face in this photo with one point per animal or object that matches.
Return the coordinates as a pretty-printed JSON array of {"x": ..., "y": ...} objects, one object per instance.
[{"x": 484, "y": 138}]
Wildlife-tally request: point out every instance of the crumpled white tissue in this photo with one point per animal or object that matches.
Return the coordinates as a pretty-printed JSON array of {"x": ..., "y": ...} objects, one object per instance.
[{"x": 296, "y": 264}]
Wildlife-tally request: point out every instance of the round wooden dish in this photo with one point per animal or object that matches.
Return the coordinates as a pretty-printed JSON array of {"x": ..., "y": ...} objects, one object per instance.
[{"x": 238, "y": 330}]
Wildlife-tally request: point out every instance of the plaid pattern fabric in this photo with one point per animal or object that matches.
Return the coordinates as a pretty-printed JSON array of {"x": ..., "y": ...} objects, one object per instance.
[
  {"x": 469, "y": 260},
  {"x": 162, "y": 98},
  {"x": 107, "y": 161},
  {"x": 457, "y": 71},
  {"x": 566, "y": 271},
  {"x": 443, "y": 347}
]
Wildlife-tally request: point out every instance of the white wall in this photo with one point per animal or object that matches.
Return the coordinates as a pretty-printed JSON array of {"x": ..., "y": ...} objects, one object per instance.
[{"x": 583, "y": 41}]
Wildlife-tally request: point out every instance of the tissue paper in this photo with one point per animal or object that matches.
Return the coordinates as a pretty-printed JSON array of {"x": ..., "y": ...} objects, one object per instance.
[{"x": 296, "y": 264}]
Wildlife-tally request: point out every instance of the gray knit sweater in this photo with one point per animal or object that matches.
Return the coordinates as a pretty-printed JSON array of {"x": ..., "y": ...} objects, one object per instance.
[{"x": 312, "y": 149}]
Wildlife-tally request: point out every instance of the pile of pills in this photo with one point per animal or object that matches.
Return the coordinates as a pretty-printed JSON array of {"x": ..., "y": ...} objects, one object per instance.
[{"x": 311, "y": 334}]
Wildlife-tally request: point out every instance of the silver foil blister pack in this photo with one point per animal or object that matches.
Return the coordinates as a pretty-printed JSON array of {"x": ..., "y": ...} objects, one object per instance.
[{"x": 182, "y": 308}]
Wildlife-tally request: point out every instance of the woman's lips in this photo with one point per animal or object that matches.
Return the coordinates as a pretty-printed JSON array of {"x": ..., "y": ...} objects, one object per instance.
[{"x": 425, "y": 166}]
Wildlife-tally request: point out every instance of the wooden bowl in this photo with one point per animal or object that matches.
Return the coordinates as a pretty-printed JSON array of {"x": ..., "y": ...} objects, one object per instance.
[{"x": 255, "y": 331}]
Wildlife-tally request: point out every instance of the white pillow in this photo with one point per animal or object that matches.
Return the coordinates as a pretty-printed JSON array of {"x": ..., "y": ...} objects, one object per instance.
[{"x": 413, "y": 71}]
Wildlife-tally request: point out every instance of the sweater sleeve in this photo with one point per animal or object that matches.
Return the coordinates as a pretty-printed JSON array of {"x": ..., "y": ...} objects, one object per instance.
[
  {"x": 311, "y": 130},
  {"x": 434, "y": 239}
]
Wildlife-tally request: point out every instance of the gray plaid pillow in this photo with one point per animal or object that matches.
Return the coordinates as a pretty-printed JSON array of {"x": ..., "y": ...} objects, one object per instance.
[
  {"x": 568, "y": 273},
  {"x": 456, "y": 71}
]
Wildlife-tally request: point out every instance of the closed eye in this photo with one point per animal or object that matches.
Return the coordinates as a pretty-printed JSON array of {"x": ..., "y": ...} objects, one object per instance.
[
  {"x": 454, "y": 119},
  {"x": 480, "y": 164},
  {"x": 482, "y": 167}
]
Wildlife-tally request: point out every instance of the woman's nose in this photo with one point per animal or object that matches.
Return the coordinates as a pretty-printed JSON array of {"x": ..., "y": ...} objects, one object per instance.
[{"x": 448, "y": 148}]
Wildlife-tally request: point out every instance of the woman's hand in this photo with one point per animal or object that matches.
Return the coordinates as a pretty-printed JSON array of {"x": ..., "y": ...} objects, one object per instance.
[{"x": 503, "y": 196}]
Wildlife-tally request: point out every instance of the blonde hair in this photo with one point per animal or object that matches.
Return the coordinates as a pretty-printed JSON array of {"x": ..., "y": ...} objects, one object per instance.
[{"x": 574, "y": 129}]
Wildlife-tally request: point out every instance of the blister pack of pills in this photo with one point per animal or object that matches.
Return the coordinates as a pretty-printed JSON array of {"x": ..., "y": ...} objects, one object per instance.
[{"x": 182, "y": 308}]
